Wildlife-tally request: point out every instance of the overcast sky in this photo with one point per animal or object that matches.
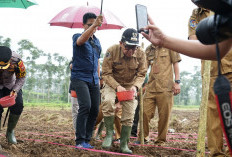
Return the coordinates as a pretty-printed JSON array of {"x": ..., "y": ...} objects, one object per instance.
[{"x": 32, "y": 23}]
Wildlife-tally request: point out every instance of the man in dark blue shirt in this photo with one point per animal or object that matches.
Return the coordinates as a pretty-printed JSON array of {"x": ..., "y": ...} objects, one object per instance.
[{"x": 85, "y": 78}]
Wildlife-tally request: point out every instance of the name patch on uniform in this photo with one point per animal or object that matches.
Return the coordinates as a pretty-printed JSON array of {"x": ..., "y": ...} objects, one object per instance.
[
  {"x": 193, "y": 23},
  {"x": 117, "y": 63}
]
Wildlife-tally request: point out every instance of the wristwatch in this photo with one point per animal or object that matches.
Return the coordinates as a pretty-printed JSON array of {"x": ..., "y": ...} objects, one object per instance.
[{"x": 177, "y": 81}]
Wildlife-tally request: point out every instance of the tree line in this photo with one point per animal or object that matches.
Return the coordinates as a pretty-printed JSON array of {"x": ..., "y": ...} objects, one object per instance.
[{"x": 48, "y": 77}]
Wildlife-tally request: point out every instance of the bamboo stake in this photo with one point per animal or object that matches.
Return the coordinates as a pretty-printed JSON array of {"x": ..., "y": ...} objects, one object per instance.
[
  {"x": 203, "y": 110},
  {"x": 141, "y": 115}
]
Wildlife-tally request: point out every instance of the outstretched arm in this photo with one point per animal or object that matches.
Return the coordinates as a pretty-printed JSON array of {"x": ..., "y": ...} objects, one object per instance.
[
  {"x": 89, "y": 32},
  {"x": 190, "y": 48}
]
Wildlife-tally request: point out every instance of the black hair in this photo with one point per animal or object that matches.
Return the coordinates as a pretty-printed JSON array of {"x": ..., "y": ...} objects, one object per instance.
[{"x": 88, "y": 16}]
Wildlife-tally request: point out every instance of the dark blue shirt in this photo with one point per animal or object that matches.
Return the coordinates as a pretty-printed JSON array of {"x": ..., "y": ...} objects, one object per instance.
[{"x": 85, "y": 60}]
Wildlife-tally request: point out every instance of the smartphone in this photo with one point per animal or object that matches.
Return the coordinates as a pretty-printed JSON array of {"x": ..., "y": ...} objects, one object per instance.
[{"x": 141, "y": 17}]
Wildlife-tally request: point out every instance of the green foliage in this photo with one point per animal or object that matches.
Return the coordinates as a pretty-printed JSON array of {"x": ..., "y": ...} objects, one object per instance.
[
  {"x": 190, "y": 88},
  {"x": 48, "y": 78},
  {"x": 5, "y": 42}
]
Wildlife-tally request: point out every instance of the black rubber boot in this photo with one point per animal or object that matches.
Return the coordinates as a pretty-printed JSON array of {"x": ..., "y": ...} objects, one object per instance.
[
  {"x": 109, "y": 123},
  {"x": 12, "y": 122}
]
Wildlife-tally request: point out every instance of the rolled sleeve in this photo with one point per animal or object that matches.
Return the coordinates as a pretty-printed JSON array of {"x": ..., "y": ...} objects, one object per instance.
[
  {"x": 20, "y": 73},
  {"x": 192, "y": 23}
]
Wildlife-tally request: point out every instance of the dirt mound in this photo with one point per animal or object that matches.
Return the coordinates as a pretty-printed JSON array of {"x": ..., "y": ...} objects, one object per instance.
[{"x": 47, "y": 132}]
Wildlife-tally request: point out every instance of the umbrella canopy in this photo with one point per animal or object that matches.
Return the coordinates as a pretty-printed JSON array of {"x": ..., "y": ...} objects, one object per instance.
[
  {"x": 17, "y": 3},
  {"x": 72, "y": 17}
]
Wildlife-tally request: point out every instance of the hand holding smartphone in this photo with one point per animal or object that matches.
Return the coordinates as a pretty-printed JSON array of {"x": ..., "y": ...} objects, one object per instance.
[{"x": 141, "y": 18}]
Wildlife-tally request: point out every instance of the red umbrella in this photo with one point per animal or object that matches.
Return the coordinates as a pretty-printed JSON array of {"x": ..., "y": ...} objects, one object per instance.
[{"x": 72, "y": 17}]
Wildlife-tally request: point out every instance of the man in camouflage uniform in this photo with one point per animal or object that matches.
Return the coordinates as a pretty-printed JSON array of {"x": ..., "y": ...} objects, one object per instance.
[
  {"x": 124, "y": 68},
  {"x": 160, "y": 89},
  {"x": 214, "y": 129},
  {"x": 12, "y": 78}
]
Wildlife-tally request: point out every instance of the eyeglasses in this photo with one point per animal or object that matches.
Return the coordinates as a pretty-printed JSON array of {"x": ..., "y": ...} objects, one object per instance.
[
  {"x": 90, "y": 24},
  {"x": 128, "y": 47}
]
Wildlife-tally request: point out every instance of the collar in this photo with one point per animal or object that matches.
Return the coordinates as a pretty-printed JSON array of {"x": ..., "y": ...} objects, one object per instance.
[
  {"x": 122, "y": 54},
  {"x": 203, "y": 10}
]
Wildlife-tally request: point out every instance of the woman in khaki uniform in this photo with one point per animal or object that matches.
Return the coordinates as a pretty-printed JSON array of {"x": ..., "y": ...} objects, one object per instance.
[
  {"x": 160, "y": 88},
  {"x": 124, "y": 68},
  {"x": 214, "y": 129}
]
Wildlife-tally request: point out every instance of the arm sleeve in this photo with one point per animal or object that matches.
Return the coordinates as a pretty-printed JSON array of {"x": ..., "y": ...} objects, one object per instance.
[
  {"x": 192, "y": 23},
  {"x": 20, "y": 73},
  {"x": 175, "y": 57}
]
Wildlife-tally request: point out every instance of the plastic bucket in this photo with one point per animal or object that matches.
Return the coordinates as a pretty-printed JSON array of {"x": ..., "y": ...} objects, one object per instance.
[
  {"x": 7, "y": 101},
  {"x": 125, "y": 95},
  {"x": 73, "y": 94}
]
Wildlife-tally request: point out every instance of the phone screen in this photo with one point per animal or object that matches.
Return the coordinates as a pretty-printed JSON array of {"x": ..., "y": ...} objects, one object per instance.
[{"x": 141, "y": 17}]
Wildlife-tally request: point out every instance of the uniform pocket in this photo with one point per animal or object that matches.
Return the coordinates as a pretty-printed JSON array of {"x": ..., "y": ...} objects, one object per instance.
[
  {"x": 119, "y": 67},
  {"x": 163, "y": 57},
  {"x": 133, "y": 65}
]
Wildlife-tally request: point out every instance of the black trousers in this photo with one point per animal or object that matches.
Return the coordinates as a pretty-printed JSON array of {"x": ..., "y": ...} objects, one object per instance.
[
  {"x": 134, "y": 129},
  {"x": 17, "y": 108},
  {"x": 88, "y": 96}
]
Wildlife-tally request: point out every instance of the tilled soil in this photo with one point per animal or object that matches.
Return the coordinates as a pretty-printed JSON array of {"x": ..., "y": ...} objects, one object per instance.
[{"x": 49, "y": 132}]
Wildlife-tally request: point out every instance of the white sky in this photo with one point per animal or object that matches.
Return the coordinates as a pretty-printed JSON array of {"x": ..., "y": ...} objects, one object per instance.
[{"x": 32, "y": 24}]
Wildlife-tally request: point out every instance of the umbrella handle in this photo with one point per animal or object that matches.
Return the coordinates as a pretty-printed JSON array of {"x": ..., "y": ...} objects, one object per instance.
[
  {"x": 6, "y": 117},
  {"x": 101, "y": 9}
]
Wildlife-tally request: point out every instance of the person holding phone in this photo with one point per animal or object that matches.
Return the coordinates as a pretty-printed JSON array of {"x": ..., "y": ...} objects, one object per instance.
[{"x": 124, "y": 68}]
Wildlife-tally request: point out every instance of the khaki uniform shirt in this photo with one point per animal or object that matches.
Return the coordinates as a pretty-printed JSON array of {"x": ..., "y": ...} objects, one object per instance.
[
  {"x": 118, "y": 69},
  {"x": 14, "y": 76},
  {"x": 161, "y": 75},
  {"x": 226, "y": 62},
  {"x": 197, "y": 15}
]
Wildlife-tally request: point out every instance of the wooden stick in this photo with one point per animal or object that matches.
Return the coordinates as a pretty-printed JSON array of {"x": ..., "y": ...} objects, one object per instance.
[
  {"x": 203, "y": 109},
  {"x": 141, "y": 115}
]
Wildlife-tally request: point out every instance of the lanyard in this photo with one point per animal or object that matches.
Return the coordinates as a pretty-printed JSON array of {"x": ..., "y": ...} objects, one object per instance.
[{"x": 223, "y": 94}]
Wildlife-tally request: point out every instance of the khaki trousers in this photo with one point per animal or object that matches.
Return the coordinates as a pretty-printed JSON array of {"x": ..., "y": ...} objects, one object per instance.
[
  {"x": 75, "y": 108},
  {"x": 164, "y": 102},
  {"x": 108, "y": 106},
  {"x": 214, "y": 128}
]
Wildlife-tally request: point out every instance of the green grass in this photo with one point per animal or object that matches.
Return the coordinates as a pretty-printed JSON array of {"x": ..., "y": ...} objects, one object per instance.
[
  {"x": 68, "y": 105},
  {"x": 186, "y": 107},
  {"x": 50, "y": 105}
]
